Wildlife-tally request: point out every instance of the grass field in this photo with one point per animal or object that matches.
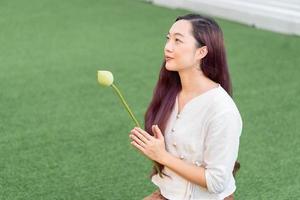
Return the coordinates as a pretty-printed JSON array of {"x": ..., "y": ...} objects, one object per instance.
[{"x": 62, "y": 136}]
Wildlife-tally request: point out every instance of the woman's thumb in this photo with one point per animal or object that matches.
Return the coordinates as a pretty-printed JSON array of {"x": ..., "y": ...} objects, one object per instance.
[
  {"x": 154, "y": 131},
  {"x": 158, "y": 132}
]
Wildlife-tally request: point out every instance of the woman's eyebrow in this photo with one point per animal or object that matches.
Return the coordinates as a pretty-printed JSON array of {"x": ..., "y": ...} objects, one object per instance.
[{"x": 176, "y": 34}]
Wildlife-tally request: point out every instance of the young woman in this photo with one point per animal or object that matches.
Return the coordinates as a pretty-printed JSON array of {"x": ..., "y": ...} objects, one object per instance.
[{"x": 192, "y": 125}]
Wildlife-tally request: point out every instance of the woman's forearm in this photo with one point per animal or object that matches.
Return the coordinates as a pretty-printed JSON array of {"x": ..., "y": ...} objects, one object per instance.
[{"x": 188, "y": 171}]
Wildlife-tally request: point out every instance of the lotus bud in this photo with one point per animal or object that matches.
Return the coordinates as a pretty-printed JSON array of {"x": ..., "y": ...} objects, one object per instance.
[{"x": 105, "y": 78}]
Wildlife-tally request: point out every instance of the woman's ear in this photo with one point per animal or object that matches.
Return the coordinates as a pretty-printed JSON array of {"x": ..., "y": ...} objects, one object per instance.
[{"x": 201, "y": 52}]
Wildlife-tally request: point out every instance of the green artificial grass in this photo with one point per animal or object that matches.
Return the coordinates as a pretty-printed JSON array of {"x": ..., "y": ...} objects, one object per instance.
[{"x": 62, "y": 136}]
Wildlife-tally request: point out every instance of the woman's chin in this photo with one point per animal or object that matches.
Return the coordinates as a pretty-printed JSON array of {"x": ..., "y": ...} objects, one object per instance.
[{"x": 170, "y": 67}]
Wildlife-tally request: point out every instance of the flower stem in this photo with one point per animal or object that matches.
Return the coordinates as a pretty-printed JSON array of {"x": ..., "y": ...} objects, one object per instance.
[
  {"x": 126, "y": 105},
  {"x": 134, "y": 119}
]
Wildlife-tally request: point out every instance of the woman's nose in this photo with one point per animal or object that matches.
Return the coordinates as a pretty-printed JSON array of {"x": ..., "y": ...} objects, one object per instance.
[{"x": 168, "y": 47}]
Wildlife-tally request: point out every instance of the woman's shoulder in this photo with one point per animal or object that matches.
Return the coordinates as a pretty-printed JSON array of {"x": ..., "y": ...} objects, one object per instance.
[
  {"x": 223, "y": 112},
  {"x": 221, "y": 102}
]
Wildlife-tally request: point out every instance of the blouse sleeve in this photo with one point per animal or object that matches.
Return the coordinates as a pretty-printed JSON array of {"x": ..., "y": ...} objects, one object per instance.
[{"x": 221, "y": 149}]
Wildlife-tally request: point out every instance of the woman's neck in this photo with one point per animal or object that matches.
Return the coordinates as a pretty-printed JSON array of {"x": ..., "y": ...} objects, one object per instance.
[{"x": 194, "y": 82}]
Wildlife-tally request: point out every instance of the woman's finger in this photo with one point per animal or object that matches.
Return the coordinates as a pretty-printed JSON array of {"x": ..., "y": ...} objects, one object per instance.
[
  {"x": 137, "y": 140},
  {"x": 144, "y": 133},
  {"x": 138, "y": 146},
  {"x": 140, "y": 136},
  {"x": 154, "y": 131}
]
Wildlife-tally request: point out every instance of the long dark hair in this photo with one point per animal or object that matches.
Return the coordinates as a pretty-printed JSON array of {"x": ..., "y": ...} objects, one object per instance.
[{"x": 214, "y": 66}]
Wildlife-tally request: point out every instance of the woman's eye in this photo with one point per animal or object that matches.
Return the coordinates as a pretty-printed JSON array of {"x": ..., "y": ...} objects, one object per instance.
[{"x": 176, "y": 40}]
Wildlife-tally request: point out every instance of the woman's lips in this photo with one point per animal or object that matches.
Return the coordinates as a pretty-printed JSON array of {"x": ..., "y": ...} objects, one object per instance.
[{"x": 168, "y": 58}]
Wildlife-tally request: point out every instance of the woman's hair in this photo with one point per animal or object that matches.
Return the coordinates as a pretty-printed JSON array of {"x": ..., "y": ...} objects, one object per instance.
[{"x": 214, "y": 66}]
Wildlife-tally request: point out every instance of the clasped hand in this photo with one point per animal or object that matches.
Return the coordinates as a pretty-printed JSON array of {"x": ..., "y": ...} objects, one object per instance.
[{"x": 152, "y": 147}]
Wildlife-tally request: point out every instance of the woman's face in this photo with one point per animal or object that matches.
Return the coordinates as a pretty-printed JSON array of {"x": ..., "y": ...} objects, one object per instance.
[{"x": 180, "y": 49}]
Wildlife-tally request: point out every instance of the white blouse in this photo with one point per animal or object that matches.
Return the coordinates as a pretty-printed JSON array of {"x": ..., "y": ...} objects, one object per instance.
[{"x": 206, "y": 133}]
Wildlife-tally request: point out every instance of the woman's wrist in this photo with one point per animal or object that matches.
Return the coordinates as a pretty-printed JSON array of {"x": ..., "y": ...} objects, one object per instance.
[{"x": 164, "y": 160}]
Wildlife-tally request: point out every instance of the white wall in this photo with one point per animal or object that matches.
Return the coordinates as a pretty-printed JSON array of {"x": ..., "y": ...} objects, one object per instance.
[{"x": 276, "y": 15}]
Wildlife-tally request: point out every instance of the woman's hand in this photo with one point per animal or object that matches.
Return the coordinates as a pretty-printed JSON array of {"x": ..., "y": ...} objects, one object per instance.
[{"x": 152, "y": 147}]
